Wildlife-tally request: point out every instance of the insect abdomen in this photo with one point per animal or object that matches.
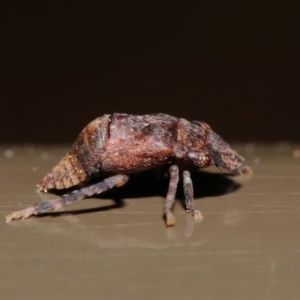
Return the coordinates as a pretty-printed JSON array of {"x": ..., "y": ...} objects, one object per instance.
[
  {"x": 139, "y": 143},
  {"x": 83, "y": 160}
]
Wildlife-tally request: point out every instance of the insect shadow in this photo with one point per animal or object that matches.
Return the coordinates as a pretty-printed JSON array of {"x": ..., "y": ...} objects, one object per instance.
[{"x": 148, "y": 184}]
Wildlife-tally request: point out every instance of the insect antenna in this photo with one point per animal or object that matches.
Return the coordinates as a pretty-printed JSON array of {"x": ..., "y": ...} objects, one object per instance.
[{"x": 219, "y": 169}]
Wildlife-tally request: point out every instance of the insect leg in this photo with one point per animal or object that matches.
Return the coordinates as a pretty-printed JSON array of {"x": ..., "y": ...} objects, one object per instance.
[
  {"x": 174, "y": 178},
  {"x": 189, "y": 195},
  {"x": 76, "y": 195}
]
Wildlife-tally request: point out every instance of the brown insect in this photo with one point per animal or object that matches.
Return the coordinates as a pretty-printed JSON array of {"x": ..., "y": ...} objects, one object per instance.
[{"x": 114, "y": 146}]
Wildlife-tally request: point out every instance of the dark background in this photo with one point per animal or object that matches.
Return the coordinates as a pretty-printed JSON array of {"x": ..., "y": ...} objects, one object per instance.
[{"x": 233, "y": 64}]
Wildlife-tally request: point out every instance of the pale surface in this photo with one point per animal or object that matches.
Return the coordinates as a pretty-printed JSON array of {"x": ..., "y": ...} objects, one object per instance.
[{"x": 246, "y": 247}]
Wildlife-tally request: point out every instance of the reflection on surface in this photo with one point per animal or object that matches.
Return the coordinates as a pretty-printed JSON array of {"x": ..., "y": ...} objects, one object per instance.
[
  {"x": 136, "y": 222},
  {"x": 118, "y": 235}
]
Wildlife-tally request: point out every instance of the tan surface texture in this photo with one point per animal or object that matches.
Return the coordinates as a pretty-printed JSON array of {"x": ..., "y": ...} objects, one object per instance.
[{"x": 246, "y": 247}]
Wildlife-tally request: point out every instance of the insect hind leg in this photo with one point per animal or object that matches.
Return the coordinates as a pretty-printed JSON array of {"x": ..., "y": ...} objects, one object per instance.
[{"x": 76, "y": 195}]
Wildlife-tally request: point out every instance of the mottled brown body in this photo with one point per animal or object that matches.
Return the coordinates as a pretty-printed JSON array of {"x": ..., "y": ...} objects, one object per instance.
[
  {"x": 122, "y": 143},
  {"x": 114, "y": 146}
]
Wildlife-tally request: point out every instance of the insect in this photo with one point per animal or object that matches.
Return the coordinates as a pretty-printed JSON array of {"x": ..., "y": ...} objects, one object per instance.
[{"x": 114, "y": 146}]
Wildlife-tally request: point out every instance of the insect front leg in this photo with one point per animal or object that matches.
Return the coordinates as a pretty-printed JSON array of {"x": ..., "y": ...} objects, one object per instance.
[
  {"x": 174, "y": 178},
  {"x": 76, "y": 195},
  {"x": 189, "y": 195}
]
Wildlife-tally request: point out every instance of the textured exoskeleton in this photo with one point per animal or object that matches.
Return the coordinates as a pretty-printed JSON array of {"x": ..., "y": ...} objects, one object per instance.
[{"x": 115, "y": 146}]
